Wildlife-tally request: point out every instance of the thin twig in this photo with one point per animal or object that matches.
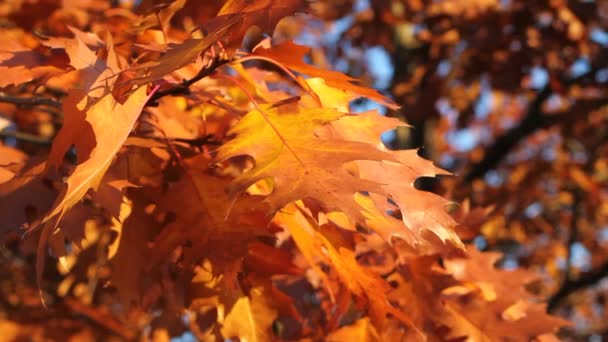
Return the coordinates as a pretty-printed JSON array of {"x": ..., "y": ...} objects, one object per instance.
[
  {"x": 183, "y": 88},
  {"x": 29, "y": 101},
  {"x": 300, "y": 82},
  {"x": 27, "y": 137}
]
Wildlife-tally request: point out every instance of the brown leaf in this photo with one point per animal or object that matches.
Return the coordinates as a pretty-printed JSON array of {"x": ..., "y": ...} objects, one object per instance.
[{"x": 264, "y": 14}]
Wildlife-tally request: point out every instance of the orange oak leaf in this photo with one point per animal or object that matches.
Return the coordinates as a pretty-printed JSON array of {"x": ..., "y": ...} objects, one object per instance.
[
  {"x": 111, "y": 123},
  {"x": 493, "y": 304},
  {"x": 19, "y": 63},
  {"x": 417, "y": 286},
  {"x": 301, "y": 165},
  {"x": 264, "y": 14},
  {"x": 201, "y": 208},
  {"x": 18, "y": 208},
  {"x": 421, "y": 211},
  {"x": 161, "y": 17},
  {"x": 95, "y": 78},
  {"x": 317, "y": 249},
  {"x": 10, "y": 160},
  {"x": 130, "y": 255},
  {"x": 479, "y": 270}
]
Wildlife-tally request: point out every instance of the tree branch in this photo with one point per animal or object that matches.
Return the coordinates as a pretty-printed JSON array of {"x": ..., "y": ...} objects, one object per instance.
[
  {"x": 183, "y": 88},
  {"x": 532, "y": 121},
  {"x": 29, "y": 101},
  {"x": 571, "y": 286},
  {"x": 27, "y": 137},
  {"x": 101, "y": 318}
]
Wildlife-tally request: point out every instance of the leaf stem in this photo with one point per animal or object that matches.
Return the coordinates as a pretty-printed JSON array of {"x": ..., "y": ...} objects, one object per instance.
[{"x": 29, "y": 101}]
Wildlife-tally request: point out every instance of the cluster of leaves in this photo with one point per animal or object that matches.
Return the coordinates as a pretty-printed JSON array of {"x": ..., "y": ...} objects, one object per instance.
[
  {"x": 204, "y": 179},
  {"x": 511, "y": 97}
]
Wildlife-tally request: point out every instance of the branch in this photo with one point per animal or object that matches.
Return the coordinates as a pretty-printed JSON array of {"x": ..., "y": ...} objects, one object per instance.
[
  {"x": 27, "y": 137},
  {"x": 102, "y": 319},
  {"x": 29, "y": 101},
  {"x": 183, "y": 88},
  {"x": 532, "y": 121},
  {"x": 571, "y": 286}
]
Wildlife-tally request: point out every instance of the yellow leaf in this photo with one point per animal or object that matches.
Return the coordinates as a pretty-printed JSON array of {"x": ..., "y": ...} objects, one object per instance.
[
  {"x": 361, "y": 331},
  {"x": 302, "y": 165},
  {"x": 250, "y": 319}
]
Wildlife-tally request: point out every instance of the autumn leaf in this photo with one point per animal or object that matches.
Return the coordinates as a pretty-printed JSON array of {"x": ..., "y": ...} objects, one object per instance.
[
  {"x": 501, "y": 292},
  {"x": 250, "y": 318},
  {"x": 317, "y": 249},
  {"x": 264, "y": 14},
  {"x": 179, "y": 55},
  {"x": 18, "y": 207},
  {"x": 292, "y": 56},
  {"x": 301, "y": 165},
  {"x": 361, "y": 330},
  {"x": 206, "y": 223},
  {"x": 421, "y": 211},
  {"x": 245, "y": 187},
  {"x": 95, "y": 77},
  {"x": 19, "y": 63},
  {"x": 111, "y": 122},
  {"x": 161, "y": 18}
]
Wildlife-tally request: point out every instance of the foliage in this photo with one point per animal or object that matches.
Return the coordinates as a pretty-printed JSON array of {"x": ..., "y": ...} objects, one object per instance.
[
  {"x": 510, "y": 96},
  {"x": 171, "y": 169}
]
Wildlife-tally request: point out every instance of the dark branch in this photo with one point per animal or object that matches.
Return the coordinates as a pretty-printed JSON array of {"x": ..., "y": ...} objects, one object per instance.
[
  {"x": 183, "y": 88},
  {"x": 31, "y": 138},
  {"x": 532, "y": 121},
  {"x": 571, "y": 286},
  {"x": 29, "y": 101}
]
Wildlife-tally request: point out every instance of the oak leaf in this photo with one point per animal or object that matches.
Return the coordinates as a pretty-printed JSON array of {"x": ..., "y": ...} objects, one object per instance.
[
  {"x": 18, "y": 208},
  {"x": 284, "y": 146},
  {"x": 215, "y": 227},
  {"x": 250, "y": 319},
  {"x": 95, "y": 78},
  {"x": 317, "y": 250},
  {"x": 264, "y": 14},
  {"x": 111, "y": 122},
  {"x": 292, "y": 56},
  {"x": 180, "y": 55},
  {"x": 421, "y": 211},
  {"x": 494, "y": 304}
]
